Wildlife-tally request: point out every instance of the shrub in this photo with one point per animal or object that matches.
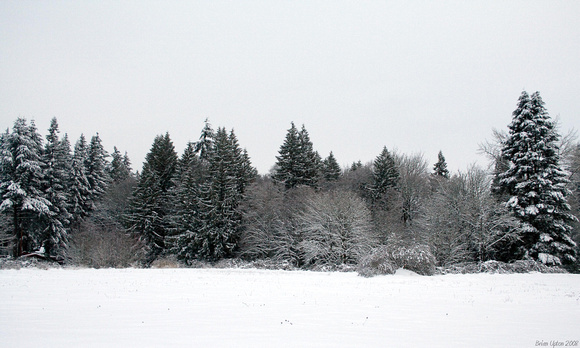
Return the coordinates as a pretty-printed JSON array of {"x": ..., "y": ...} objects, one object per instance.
[
  {"x": 416, "y": 258},
  {"x": 387, "y": 259},
  {"x": 103, "y": 246},
  {"x": 497, "y": 267},
  {"x": 378, "y": 262}
]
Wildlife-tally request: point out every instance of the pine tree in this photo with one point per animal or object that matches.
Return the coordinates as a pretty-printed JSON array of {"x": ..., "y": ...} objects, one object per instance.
[
  {"x": 440, "y": 168},
  {"x": 297, "y": 164},
  {"x": 149, "y": 216},
  {"x": 385, "y": 176},
  {"x": 57, "y": 161},
  {"x": 331, "y": 169},
  {"x": 21, "y": 174},
  {"x": 536, "y": 185}
]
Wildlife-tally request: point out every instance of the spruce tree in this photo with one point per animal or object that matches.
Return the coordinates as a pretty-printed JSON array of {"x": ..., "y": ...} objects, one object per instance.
[
  {"x": 331, "y": 169},
  {"x": 210, "y": 228},
  {"x": 219, "y": 216},
  {"x": 21, "y": 174},
  {"x": 57, "y": 161},
  {"x": 149, "y": 216},
  {"x": 440, "y": 168},
  {"x": 297, "y": 163},
  {"x": 385, "y": 176},
  {"x": 536, "y": 185},
  {"x": 204, "y": 145},
  {"x": 119, "y": 169},
  {"x": 96, "y": 168},
  {"x": 311, "y": 161},
  {"x": 189, "y": 175},
  {"x": 79, "y": 195}
]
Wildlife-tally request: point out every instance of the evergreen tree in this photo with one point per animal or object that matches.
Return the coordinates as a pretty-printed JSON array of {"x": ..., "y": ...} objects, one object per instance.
[
  {"x": 331, "y": 169},
  {"x": 96, "y": 168},
  {"x": 57, "y": 161},
  {"x": 80, "y": 203},
  {"x": 242, "y": 166},
  {"x": 536, "y": 185},
  {"x": 214, "y": 233},
  {"x": 21, "y": 174},
  {"x": 219, "y": 199},
  {"x": 440, "y": 168},
  {"x": 297, "y": 163},
  {"x": 385, "y": 176},
  {"x": 355, "y": 166},
  {"x": 149, "y": 214},
  {"x": 119, "y": 169},
  {"x": 310, "y": 160},
  {"x": 204, "y": 145},
  {"x": 189, "y": 176}
]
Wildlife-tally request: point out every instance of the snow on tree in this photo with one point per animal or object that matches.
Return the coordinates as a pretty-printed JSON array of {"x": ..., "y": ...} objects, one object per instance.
[
  {"x": 119, "y": 169},
  {"x": 80, "y": 202},
  {"x": 219, "y": 198},
  {"x": 21, "y": 174},
  {"x": 57, "y": 161},
  {"x": 462, "y": 221},
  {"x": 96, "y": 168},
  {"x": 204, "y": 145},
  {"x": 189, "y": 175},
  {"x": 385, "y": 178},
  {"x": 297, "y": 163},
  {"x": 148, "y": 217},
  {"x": 413, "y": 185},
  {"x": 336, "y": 229},
  {"x": 440, "y": 168},
  {"x": 330, "y": 168},
  {"x": 536, "y": 185}
]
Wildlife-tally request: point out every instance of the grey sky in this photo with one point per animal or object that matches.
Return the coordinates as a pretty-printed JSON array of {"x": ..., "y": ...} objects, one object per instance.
[{"x": 419, "y": 76}]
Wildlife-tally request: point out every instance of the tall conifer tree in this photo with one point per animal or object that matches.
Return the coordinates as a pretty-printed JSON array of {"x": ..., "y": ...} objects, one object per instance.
[
  {"x": 331, "y": 169},
  {"x": 80, "y": 202},
  {"x": 440, "y": 168},
  {"x": 21, "y": 174},
  {"x": 536, "y": 185},
  {"x": 57, "y": 161},
  {"x": 149, "y": 213},
  {"x": 385, "y": 176},
  {"x": 297, "y": 163}
]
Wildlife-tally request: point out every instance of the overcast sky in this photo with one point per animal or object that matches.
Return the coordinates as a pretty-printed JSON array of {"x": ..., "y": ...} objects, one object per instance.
[{"x": 417, "y": 76}]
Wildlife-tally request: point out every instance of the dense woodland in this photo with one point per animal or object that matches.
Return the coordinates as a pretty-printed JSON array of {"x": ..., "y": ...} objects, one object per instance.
[{"x": 82, "y": 205}]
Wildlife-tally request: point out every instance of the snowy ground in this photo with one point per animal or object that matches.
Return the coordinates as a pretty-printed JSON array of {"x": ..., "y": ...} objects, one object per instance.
[{"x": 259, "y": 308}]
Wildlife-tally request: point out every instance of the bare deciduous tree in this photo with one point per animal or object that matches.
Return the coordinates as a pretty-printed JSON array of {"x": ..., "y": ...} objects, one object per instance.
[
  {"x": 336, "y": 229},
  {"x": 463, "y": 222}
]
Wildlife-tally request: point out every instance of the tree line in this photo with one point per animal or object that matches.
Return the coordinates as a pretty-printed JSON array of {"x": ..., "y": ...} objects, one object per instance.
[{"x": 210, "y": 203}]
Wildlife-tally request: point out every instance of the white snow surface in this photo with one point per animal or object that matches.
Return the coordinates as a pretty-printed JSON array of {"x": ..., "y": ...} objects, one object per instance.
[{"x": 261, "y": 308}]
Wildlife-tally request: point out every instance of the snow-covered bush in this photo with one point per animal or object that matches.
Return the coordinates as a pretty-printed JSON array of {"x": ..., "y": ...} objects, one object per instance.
[
  {"x": 520, "y": 266},
  {"x": 378, "y": 262},
  {"x": 416, "y": 258},
  {"x": 387, "y": 259}
]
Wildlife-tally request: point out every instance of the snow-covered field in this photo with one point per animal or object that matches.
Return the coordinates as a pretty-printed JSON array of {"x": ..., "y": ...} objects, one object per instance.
[{"x": 259, "y": 308}]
